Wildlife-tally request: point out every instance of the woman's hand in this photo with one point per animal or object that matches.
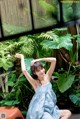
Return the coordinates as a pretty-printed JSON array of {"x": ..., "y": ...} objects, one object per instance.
[
  {"x": 19, "y": 55},
  {"x": 32, "y": 62},
  {"x": 35, "y": 60}
]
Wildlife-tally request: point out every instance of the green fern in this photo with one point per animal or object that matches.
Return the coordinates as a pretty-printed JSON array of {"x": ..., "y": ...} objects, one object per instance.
[
  {"x": 50, "y": 35},
  {"x": 28, "y": 46},
  {"x": 53, "y": 41}
]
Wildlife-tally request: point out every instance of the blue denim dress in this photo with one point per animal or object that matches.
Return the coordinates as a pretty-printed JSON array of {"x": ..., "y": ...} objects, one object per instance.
[{"x": 43, "y": 104}]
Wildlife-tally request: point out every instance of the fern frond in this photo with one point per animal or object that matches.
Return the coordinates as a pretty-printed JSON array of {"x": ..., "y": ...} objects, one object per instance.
[
  {"x": 28, "y": 46},
  {"x": 49, "y": 36}
]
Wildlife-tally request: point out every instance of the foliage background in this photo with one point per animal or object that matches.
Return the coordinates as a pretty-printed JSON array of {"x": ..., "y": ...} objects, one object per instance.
[{"x": 66, "y": 83}]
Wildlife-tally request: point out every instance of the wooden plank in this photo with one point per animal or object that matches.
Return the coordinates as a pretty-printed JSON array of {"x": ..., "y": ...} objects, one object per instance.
[{"x": 16, "y": 12}]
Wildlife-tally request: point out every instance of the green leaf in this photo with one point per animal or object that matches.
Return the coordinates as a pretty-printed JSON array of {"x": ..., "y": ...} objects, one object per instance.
[
  {"x": 10, "y": 83},
  {"x": 22, "y": 78},
  {"x": 75, "y": 99},
  {"x": 49, "y": 44},
  {"x": 65, "y": 41},
  {"x": 9, "y": 103},
  {"x": 50, "y": 35},
  {"x": 5, "y": 63},
  {"x": 27, "y": 63},
  {"x": 27, "y": 46},
  {"x": 58, "y": 42},
  {"x": 64, "y": 82}
]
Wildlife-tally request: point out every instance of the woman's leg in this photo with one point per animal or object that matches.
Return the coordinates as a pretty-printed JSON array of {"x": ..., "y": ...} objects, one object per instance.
[{"x": 65, "y": 114}]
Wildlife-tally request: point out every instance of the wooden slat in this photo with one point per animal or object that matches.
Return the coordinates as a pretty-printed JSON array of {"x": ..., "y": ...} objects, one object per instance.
[{"x": 15, "y": 12}]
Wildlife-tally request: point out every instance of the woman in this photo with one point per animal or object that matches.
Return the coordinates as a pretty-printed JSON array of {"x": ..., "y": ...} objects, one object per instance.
[{"x": 43, "y": 104}]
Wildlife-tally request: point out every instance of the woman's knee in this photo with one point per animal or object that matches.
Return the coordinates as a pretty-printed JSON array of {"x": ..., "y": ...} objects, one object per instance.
[{"x": 66, "y": 113}]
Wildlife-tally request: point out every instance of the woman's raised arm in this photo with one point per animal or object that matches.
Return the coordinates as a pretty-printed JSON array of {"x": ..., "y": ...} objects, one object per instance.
[{"x": 25, "y": 72}]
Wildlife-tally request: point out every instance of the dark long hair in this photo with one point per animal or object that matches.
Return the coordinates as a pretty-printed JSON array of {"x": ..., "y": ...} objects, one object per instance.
[{"x": 34, "y": 68}]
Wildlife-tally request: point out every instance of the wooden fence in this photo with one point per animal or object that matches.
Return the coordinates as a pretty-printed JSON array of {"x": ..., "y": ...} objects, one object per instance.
[
  {"x": 17, "y": 13},
  {"x": 14, "y": 13}
]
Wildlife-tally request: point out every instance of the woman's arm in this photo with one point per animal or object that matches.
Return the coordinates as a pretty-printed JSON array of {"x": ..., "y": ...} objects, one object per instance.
[
  {"x": 25, "y": 72},
  {"x": 52, "y": 60}
]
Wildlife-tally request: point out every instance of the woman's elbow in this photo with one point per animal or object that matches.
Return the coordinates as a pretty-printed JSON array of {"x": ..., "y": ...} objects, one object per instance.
[
  {"x": 24, "y": 72},
  {"x": 54, "y": 59}
]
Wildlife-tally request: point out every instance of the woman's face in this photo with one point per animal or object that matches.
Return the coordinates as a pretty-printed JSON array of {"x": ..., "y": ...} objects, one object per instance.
[{"x": 40, "y": 72}]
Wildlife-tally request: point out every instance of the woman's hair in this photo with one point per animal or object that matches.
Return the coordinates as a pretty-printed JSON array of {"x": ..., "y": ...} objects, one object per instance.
[{"x": 35, "y": 67}]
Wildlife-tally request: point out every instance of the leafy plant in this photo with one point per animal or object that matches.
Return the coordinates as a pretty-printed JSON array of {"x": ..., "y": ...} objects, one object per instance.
[
  {"x": 56, "y": 42},
  {"x": 66, "y": 78},
  {"x": 65, "y": 82},
  {"x": 36, "y": 46},
  {"x": 5, "y": 59},
  {"x": 75, "y": 99},
  {"x": 9, "y": 48},
  {"x": 20, "y": 91}
]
